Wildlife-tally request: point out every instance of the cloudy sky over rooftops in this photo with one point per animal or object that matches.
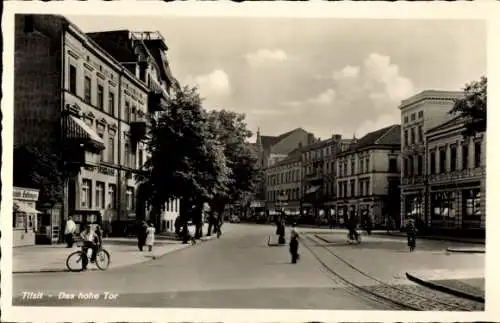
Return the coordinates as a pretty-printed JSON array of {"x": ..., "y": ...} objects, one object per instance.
[{"x": 326, "y": 75}]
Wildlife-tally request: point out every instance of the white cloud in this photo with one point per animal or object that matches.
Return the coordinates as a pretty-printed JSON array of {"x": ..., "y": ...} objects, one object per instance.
[
  {"x": 214, "y": 84},
  {"x": 266, "y": 56},
  {"x": 358, "y": 99}
]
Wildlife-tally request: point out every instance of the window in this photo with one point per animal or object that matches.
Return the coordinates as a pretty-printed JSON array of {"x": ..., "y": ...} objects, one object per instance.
[
  {"x": 453, "y": 158},
  {"x": 353, "y": 166},
  {"x": 405, "y": 167},
  {"x": 420, "y": 134},
  {"x": 413, "y": 117},
  {"x": 353, "y": 187},
  {"x": 345, "y": 189},
  {"x": 367, "y": 164},
  {"x": 87, "y": 90},
  {"x": 340, "y": 169},
  {"x": 410, "y": 166},
  {"x": 361, "y": 190},
  {"x": 99, "y": 195},
  {"x": 111, "y": 103},
  {"x": 102, "y": 154},
  {"x": 442, "y": 160},
  {"x": 471, "y": 203},
  {"x": 465, "y": 156},
  {"x": 112, "y": 196},
  {"x": 126, "y": 155},
  {"x": 477, "y": 154},
  {"x": 420, "y": 165},
  {"x": 339, "y": 189},
  {"x": 86, "y": 194},
  {"x": 345, "y": 168},
  {"x": 111, "y": 149},
  {"x": 130, "y": 198},
  {"x": 393, "y": 165},
  {"x": 361, "y": 165},
  {"x": 420, "y": 114},
  {"x": 133, "y": 117},
  {"x": 433, "y": 162},
  {"x": 72, "y": 79},
  {"x": 412, "y": 136},
  {"x": 127, "y": 111},
  {"x": 367, "y": 186},
  {"x": 100, "y": 97},
  {"x": 141, "y": 161},
  {"x": 406, "y": 119}
]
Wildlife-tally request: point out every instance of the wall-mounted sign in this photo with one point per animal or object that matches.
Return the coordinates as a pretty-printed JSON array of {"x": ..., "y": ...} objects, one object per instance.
[
  {"x": 101, "y": 170},
  {"x": 25, "y": 194}
]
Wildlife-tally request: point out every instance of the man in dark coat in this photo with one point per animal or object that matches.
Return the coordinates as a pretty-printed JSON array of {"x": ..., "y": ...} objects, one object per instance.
[{"x": 141, "y": 235}]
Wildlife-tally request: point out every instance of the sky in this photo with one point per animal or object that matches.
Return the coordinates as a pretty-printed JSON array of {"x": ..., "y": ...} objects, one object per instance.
[{"x": 326, "y": 75}]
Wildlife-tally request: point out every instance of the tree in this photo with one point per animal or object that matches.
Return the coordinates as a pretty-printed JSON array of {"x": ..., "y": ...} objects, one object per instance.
[
  {"x": 472, "y": 107},
  {"x": 231, "y": 130},
  {"x": 187, "y": 162},
  {"x": 38, "y": 168}
]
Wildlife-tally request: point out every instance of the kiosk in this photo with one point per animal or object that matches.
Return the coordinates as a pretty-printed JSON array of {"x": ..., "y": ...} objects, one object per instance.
[{"x": 25, "y": 214}]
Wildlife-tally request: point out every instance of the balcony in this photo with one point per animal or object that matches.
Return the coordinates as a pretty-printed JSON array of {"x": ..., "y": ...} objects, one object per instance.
[{"x": 139, "y": 128}]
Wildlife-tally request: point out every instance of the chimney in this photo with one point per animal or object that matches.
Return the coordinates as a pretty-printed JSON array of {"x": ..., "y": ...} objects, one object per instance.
[{"x": 337, "y": 137}]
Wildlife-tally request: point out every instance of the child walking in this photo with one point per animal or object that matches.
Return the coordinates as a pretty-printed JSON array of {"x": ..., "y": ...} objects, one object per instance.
[{"x": 150, "y": 236}]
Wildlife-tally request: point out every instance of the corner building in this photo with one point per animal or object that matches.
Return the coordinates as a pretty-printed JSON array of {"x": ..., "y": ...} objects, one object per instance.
[{"x": 75, "y": 98}]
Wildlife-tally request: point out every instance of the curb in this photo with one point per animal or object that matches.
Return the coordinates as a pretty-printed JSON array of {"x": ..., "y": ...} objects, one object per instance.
[
  {"x": 59, "y": 270},
  {"x": 444, "y": 289},
  {"x": 456, "y": 250},
  {"x": 451, "y": 239}
]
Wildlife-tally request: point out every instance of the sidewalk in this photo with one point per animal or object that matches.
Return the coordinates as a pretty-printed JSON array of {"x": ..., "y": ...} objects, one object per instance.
[
  {"x": 468, "y": 284},
  {"x": 123, "y": 251},
  {"x": 430, "y": 237}
]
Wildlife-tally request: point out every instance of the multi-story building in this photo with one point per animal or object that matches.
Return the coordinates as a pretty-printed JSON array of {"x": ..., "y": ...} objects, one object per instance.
[
  {"x": 283, "y": 185},
  {"x": 456, "y": 178},
  {"x": 76, "y": 99},
  {"x": 270, "y": 150},
  {"x": 419, "y": 113},
  {"x": 318, "y": 167},
  {"x": 368, "y": 177}
]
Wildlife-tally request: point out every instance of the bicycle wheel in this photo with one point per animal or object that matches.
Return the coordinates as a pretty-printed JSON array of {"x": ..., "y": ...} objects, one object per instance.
[
  {"x": 102, "y": 259},
  {"x": 74, "y": 262}
]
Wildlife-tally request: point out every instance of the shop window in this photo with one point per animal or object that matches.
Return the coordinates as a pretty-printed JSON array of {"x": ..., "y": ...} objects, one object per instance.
[
  {"x": 471, "y": 203},
  {"x": 87, "y": 90},
  {"x": 112, "y": 196},
  {"x": 99, "y": 195},
  {"x": 86, "y": 194},
  {"x": 443, "y": 205}
]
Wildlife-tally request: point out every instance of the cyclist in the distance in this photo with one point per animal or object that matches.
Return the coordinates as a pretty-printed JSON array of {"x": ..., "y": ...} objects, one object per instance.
[{"x": 91, "y": 240}]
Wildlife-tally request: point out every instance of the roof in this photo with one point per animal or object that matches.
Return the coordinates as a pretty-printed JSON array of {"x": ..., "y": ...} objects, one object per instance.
[
  {"x": 268, "y": 141},
  {"x": 387, "y": 136},
  {"x": 430, "y": 95},
  {"x": 458, "y": 120}
]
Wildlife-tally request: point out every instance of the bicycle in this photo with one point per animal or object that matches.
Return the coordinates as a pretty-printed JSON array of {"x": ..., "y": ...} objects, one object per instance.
[
  {"x": 102, "y": 259},
  {"x": 411, "y": 242},
  {"x": 357, "y": 237}
]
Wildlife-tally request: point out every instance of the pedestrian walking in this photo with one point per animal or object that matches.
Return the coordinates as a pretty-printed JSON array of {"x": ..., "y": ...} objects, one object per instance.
[
  {"x": 141, "y": 235},
  {"x": 294, "y": 244},
  {"x": 69, "y": 232},
  {"x": 411, "y": 233},
  {"x": 150, "y": 236}
]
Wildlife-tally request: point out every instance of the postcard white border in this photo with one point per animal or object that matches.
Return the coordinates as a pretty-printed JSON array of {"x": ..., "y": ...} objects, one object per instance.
[{"x": 487, "y": 10}]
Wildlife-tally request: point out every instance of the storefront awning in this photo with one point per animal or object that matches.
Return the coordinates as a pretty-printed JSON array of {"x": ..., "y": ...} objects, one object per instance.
[
  {"x": 25, "y": 208},
  {"x": 77, "y": 129},
  {"x": 312, "y": 189}
]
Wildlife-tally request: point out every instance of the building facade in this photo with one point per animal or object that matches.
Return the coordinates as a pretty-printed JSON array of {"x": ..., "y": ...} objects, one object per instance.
[
  {"x": 456, "y": 178},
  {"x": 319, "y": 188},
  {"x": 283, "y": 185},
  {"x": 368, "y": 177},
  {"x": 74, "y": 97},
  {"x": 419, "y": 113}
]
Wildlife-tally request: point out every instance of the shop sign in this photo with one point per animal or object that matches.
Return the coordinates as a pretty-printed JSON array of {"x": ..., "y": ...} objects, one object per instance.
[
  {"x": 102, "y": 170},
  {"x": 25, "y": 194},
  {"x": 257, "y": 204}
]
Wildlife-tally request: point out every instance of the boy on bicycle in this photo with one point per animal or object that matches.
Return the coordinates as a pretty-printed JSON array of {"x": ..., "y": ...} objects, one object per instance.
[{"x": 91, "y": 240}]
